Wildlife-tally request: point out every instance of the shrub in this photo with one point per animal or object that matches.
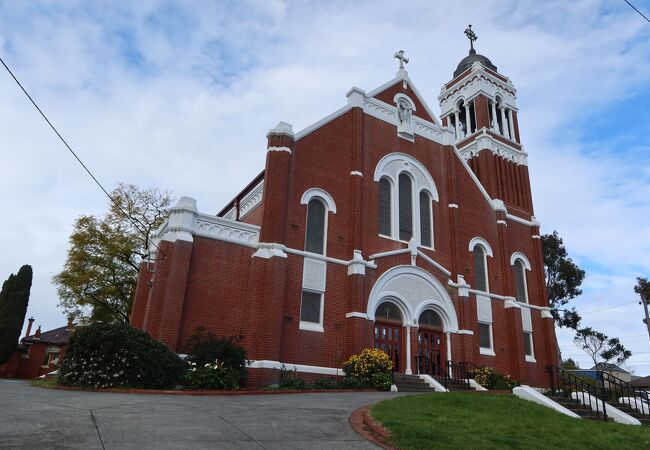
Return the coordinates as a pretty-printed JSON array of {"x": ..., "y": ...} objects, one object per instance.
[
  {"x": 117, "y": 355},
  {"x": 289, "y": 379},
  {"x": 352, "y": 383},
  {"x": 381, "y": 381},
  {"x": 211, "y": 376},
  {"x": 327, "y": 383},
  {"x": 492, "y": 379},
  {"x": 367, "y": 363},
  {"x": 205, "y": 348}
]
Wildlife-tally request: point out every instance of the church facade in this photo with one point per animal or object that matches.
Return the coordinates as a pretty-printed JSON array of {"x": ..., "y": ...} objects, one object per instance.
[{"x": 378, "y": 226}]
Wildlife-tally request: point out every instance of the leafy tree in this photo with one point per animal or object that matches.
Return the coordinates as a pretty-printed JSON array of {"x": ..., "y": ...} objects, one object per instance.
[
  {"x": 14, "y": 297},
  {"x": 643, "y": 289},
  {"x": 98, "y": 280},
  {"x": 563, "y": 280},
  {"x": 601, "y": 348},
  {"x": 570, "y": 364}
]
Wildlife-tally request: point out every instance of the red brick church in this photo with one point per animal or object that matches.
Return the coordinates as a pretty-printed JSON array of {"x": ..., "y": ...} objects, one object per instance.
[{"x": 380, "y": 225}]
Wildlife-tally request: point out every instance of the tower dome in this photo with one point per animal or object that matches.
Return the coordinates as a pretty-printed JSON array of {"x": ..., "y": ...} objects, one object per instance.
[{"x": 470, "y": 59}]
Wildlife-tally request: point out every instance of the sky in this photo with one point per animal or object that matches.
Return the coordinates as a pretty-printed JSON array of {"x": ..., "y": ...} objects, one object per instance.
[{"x": 180, "y": 95}]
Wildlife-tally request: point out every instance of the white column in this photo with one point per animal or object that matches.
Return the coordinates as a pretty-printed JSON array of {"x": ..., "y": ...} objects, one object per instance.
[
  {"x": 495, "y": 122},
  {"x": 457, "y": 124},
  {"x": 504, "y": 122},
  {"x": 408, "y": 370},
  {"x": 512, "y": 125},
  {"x": 468, "y": 122},
  {"x": 449, "y": 349}
]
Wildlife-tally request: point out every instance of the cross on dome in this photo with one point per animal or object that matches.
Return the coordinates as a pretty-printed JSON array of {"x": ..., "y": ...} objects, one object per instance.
[
  {"x": 402, "y": 59},
  {"x": 471, "y": 36}
]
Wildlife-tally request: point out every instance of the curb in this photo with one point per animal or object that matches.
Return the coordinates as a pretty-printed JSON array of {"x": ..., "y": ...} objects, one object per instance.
[
  {"x": 366, "y": 427},
  {"x": 204, "y": 393}
]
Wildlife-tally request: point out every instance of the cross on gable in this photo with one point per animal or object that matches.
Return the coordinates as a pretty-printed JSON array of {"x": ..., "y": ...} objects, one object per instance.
[
  {"x": 402, "y": 59},
  {"x": 471, "y": 36}
]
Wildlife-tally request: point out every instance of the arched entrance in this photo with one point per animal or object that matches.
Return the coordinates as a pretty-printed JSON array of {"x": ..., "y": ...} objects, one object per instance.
[
  {"x": 430, "y": 358},
  {"x": 412, "y": 291},
  {"x": 388, "y": 332}
]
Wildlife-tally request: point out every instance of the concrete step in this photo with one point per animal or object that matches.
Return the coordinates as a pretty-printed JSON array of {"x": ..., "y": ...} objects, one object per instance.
[{"x": 583, "y": 411}]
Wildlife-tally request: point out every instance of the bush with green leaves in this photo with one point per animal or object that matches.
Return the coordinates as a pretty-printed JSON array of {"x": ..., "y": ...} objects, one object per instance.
[
  {"x": 367, "y": 363},
  {"x": 205, "y": 348},
  {"x": 211, "y": 376},
  {"x": 492, "y": 379},
  {"x": 289, "y": 379},
  {"x": 106, "y": 355}
]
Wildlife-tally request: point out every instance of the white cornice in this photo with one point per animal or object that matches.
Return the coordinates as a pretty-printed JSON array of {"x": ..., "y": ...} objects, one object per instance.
[
  {"x": 279, "y": 149},
  {"x": 486, "y": 142},
  {"x": 479, "y": 81}
]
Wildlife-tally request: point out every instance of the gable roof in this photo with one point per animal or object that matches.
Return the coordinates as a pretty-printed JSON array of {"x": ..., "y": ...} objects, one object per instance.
[
  {"x": 609, "y": 366},
  {"x": 56, "y": 336},
  {"x": 409, "y": 88}
]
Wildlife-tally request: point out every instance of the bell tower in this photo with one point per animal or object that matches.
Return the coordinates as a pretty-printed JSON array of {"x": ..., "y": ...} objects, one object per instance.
[{"x": 479, "y": 105}]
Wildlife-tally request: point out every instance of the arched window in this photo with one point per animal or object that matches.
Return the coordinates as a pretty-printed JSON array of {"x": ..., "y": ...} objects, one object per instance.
[
  {"x": 480, "y": 268},
  {"x": 385, "y": 200},
  {"x": 425, "y": 219},
  {"x": 405, "y": 207},
  {"x": 430, "y": 318},
  {"x": 521, "y": 293},
  {"x": 315, "y": 236},
  {"x": 388, "y": 311}
]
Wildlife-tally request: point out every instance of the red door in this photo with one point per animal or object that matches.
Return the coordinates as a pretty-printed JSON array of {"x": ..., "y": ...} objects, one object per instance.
[
  {"x": 388, "y": 338},
  {"x": 430, "y": 352}
]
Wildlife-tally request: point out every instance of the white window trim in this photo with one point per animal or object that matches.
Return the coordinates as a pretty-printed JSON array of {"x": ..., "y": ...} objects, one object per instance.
[
  {"x": 431, "y": 227},
  {"x": 409, "y": 166},
  {"x": 392, "y": 207},
  {"x": 313, "y": 326},
  {"x": 487, "y": 251},
  {"x": 531, "y": 357},
  {"x": 315, "y": 194},
  {"x": 526, "y": 265},
  {"x": 484, "y": 350}
]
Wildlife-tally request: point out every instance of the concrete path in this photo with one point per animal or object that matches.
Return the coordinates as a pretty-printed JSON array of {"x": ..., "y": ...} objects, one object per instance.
[{"x": 45, "y": 418}]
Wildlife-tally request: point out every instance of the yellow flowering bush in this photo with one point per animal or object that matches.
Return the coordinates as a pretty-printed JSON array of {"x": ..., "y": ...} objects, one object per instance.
[
  {"x": 369, "y": 362},
  {"x": 492, "y": 379}
]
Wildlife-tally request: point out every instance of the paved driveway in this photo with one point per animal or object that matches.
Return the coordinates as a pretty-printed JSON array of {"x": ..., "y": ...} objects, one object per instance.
[{"x": 45, "y": 418}]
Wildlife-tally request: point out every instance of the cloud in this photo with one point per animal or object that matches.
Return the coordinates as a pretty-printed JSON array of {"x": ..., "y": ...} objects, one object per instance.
[{"x": 181, "y": 95}]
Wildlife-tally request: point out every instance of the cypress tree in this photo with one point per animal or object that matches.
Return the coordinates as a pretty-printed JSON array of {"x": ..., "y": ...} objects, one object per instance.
[{"x": 13, "y": 307}]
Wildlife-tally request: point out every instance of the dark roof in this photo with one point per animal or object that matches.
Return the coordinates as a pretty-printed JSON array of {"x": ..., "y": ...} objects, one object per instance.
[
  {"x": 470, "y": 59},
  {"x": 641, "y": 382},
  {"x": 609, "y": 366},
  {"x": 56, "y": 336}
]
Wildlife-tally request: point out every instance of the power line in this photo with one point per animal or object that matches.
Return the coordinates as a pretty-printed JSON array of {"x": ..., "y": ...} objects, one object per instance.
[
  {"x": 133, "y": 220},
  {"x": 610, "y": 307},
  {"x": 634, "y": 8}
]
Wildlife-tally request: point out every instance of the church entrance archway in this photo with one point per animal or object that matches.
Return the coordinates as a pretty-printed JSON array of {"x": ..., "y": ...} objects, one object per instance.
[
  {"x": 430, "y": 359},
  {"x": 388, "y": 332},
  {"x": 412, "y": 291}
]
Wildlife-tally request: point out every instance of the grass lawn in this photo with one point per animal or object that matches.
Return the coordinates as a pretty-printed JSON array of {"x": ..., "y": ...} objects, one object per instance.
[{"x": 466, "y": 420}]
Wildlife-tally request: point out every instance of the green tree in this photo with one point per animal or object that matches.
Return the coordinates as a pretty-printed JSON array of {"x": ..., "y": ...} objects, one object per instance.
[
  {"x": 643, "y": 289},
  {"x": 98, "y": 280},
  {"x": 570, "y": 364},
  {"x": 14, "y": 298},
  {"x": 601, "y": 348},
  {"x": 563, "y": 280}
]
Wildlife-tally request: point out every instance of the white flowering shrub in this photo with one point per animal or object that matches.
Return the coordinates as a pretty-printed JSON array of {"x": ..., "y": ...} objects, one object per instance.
[
  {"x": 211, "y": 376},
  {"x": 116, "y": 355}
]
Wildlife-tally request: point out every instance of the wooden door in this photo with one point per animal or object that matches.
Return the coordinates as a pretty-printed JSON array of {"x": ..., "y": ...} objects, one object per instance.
[
  {"x": 388, "y": 338},
  {"x": 430, "y": 351}
]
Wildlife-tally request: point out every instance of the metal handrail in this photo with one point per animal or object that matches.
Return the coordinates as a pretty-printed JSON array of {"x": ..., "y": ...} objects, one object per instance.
[
  {"x": 618, "y": 389},
  {"x": 458, "y": 374},
  {"x": 564, "y": 383},
  {"x": 469, "y": 368}
]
